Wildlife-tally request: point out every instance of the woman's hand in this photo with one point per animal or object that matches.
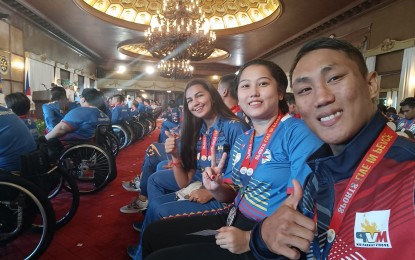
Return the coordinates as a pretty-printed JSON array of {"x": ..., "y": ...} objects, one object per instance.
[
  {"x": 233, "y": 239},
  {"x": 201, "y": 196},
  {"x": 212, "y": 176},
  {"x": 170, "y": 144}
]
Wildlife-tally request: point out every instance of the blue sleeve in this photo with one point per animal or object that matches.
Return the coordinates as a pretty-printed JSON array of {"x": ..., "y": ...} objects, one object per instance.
[
  {"x": 175, "y": 117},
  {"x": 73, "y": 119},
  {"x": 235, "y": 129},
  {"x": 300, "y": 142},
  {"x": 141, "y": 107},
  {"x": 257, "y": 245},
  {"x": 52, "y": 117},
  {"x": 115, "y": 116}
]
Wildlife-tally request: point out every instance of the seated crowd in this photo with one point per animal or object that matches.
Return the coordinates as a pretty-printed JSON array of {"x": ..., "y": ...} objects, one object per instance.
[{"x": 248, "y": 171}]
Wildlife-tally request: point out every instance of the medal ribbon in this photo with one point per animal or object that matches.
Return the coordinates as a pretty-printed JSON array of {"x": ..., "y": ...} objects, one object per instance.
[
  {"x": 372, "y": 158},
  {"x": 247, "y": 163},
  {"x": 204, "y": 151},
  {"x": 236, "y": 109}
]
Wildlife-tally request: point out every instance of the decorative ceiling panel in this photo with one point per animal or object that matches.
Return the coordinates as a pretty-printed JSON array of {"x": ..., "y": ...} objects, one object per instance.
[{"x": 222, "y": 14}]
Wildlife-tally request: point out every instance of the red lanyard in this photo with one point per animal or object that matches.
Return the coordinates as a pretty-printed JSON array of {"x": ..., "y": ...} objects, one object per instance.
[
  {"x": 236, "y": 109},
  {"x": 248, "y": 166},
  {"x": 205, "y": 154},
  {"x": 372, "y": 158}
]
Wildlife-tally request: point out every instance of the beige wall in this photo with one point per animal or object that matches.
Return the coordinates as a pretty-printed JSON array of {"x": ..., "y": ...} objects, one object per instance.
[
  {"x": 395, "y": 21},
  {"x": 17, "y": 35}
]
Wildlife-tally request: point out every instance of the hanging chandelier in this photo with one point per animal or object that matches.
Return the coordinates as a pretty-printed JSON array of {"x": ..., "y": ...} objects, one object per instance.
[
  {"x": 181, "y": 31},
  {"x": 175, "y": 69}
]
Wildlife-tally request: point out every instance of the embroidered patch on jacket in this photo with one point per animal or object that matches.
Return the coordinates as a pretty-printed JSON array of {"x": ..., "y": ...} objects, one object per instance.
[{"x": 371, "y": 229}]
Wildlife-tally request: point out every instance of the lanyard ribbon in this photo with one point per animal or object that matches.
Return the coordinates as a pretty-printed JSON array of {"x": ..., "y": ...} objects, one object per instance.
[
  {"x": 236, "y": 109},
  {"x": 372, "y": 158},
  {"x": 248, "y": 166},
  {"x": 204, "y": 153}
]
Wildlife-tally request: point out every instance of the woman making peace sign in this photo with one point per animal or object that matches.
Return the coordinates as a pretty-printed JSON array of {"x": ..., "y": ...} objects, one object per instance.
[
  {"x": 263, "y": 163},
  {"x": 207, "y": 123}
]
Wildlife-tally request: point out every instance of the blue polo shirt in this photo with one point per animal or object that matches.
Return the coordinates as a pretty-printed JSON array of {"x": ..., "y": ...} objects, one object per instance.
[
  {"x": 228, "y": 131},
  {"x": 283, "y": 160},
  {"x": 15, "y": 140},
  {"x": 53, "y": 114},
  {"x": 83, "y": 121}
]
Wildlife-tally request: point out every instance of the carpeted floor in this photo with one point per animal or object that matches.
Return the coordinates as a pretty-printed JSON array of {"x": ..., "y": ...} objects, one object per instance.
[{"x": 99, "y": 230}]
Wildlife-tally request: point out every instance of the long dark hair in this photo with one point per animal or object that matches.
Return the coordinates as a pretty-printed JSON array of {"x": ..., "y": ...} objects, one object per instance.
[
  {"x": 191, "y": 125},
  {"x": 277, "y": 73}
]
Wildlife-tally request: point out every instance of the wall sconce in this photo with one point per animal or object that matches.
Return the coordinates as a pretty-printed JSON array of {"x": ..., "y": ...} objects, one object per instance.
[{"x": 18, "y": 65}]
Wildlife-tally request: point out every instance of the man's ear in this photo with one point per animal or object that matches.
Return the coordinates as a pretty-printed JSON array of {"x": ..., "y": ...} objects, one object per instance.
[
  {"x": 225, "y": 92},
  {"x": 373, "y": 84}
]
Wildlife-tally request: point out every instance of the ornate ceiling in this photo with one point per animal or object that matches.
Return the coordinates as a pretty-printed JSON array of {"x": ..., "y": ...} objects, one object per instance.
[
  {"x": 222, "y": 14},
  {"x": 102, "y": 37},
  {"x": 224, "y": 17}
]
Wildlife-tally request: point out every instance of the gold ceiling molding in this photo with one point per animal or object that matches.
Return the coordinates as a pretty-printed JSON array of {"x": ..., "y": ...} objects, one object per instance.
[
  {"x": 390, "y": 45},
  {"x": 225, "y": 16},
  {"x": 137, "y": 50}
]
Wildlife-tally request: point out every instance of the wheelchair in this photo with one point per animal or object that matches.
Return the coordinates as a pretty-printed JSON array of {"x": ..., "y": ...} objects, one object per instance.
[
  {"x": 125, "y": 133},
  {"x": 105, "y": 137},
  {"x": 34, "y": 203},
  {"x": 42, "y": 169},
  {"x": 91, "y": 165},
  {"x": 22, "y": 204}
]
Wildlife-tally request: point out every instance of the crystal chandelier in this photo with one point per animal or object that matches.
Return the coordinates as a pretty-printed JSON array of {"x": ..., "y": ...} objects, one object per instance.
[
  {"x": 175, "y": 69},
  {"x": 181, "y": 31}
]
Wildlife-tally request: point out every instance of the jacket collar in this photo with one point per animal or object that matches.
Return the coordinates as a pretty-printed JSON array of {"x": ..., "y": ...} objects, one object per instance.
[{"x": 343, "y": 165}]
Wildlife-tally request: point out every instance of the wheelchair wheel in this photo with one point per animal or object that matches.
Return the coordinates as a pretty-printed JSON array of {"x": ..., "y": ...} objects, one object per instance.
[
  {"x": 122, "y": 135},
  {"x": 115, "y": 145},
  {"x": 64, "y": 197},
  {"x": 152, "y": 124},
  {"x": 131, "y": 133},
  {"x": 22, "y": 203},
  {"x": 139, "y": 130},
  {"x": 92, "y": 166}
]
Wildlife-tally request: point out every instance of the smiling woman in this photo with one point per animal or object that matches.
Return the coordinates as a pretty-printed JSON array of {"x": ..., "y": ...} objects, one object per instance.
[
  {"x": 264, "y": 162},
  {"x": 209, "y": 130}
]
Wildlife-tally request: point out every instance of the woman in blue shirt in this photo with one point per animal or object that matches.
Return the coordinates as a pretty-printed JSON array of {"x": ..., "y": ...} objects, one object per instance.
[
  {"x": 207, "y": 123},
  {"x": 59, "y": 106},
  {"x": 264, "y": 161}
]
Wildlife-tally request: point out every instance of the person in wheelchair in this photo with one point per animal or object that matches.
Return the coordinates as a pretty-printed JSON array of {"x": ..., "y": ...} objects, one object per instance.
[
  {"x": 15, "y": 140},
  {"x": 119, "y": 111},
  {"x": 81, "y": 122},
  {"x": 19, "y": 103},
  {"x": 59, "y": 106}
]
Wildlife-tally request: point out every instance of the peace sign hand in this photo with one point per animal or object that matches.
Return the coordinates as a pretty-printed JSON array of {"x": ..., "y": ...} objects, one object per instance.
[{"x": 212, "y": 176}]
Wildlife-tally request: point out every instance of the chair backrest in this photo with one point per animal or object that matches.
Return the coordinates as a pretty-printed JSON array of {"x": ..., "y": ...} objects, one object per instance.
[
  {"x": 34, "y": 163},
  {"x": 100, "y": 133}
]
